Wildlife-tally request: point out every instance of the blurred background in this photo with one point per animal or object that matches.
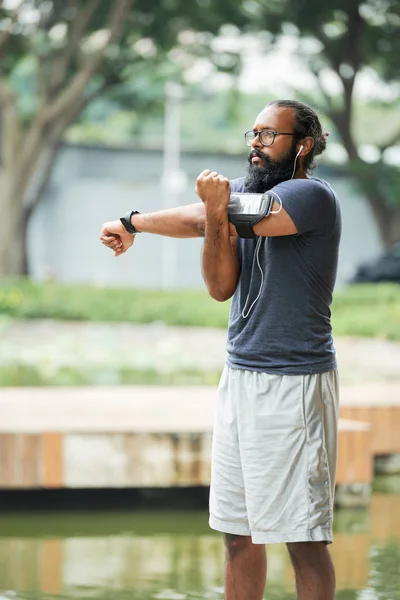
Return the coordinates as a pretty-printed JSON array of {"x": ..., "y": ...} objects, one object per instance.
[{"x": 109, "y": 366}]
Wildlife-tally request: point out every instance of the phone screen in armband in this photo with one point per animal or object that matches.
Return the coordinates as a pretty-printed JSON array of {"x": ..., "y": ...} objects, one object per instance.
[{"x": 246, "y": 210}]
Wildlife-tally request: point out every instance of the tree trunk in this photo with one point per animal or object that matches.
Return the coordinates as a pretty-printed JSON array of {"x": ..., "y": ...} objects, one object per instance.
[
  {"x": 372, "y": 179},
  {"x": 17, "y": 204},
  {"x": 387, "y": 215},
  {"x": 11, "y": 232}
]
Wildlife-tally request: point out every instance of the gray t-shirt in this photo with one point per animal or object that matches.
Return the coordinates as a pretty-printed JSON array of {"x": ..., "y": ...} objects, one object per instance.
[{"x": 288, "y": 330}]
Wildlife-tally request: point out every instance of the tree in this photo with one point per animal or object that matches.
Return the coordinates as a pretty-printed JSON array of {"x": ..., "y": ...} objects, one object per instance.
[
  {"x": 67, "y": 53},
  {"x": 348, "y": 37}
]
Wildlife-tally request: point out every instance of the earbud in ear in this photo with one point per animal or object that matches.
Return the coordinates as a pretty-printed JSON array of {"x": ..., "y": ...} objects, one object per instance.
[{"x": 301, "y": 148}]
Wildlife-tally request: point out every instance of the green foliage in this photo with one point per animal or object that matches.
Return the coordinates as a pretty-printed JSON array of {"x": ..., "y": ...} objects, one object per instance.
[
  {"x": 337, "y": 25},
  {"x": 21, "y": 375},
  {"x": 360, "y": 310},
  {"x": 24, "y": 299},
  {"x": 58, "y": 37},
  {"x": 345, "y": 38}
]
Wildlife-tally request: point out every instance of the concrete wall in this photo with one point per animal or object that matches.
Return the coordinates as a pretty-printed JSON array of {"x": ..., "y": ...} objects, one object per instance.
[{"x": 91, "y": 185}]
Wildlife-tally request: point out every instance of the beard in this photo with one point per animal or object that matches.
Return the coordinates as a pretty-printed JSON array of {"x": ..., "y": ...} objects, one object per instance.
[{"x": 261, "y": 178}]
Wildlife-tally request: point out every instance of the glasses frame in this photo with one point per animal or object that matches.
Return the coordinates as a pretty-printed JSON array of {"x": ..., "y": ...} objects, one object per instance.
[{"x": 258, "y": 133}]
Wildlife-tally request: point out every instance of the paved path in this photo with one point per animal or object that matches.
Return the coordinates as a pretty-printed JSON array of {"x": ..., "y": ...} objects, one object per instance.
[
  {"x": 54, "y": 344},
  {"x": 137, "y": 408}
]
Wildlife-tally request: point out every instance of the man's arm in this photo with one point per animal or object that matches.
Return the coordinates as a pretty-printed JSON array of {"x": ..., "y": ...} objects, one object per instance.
[
  {"x": 220, "y": 263},
  {"x": 180, "y": 222},
  {"x": 275, "y": 224}
]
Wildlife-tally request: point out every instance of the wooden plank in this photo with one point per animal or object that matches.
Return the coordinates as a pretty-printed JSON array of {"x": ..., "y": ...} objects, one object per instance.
[
  {"x": 52, "y": 460},
  {"x": 395, "y": 429},
  {"x": 343, "y": 453},
  {"x": 355, "y": 461},
  {"x": 381, "y": 428},
  {"x": 385, "y": 422},
  {"x": 362, "y": 443},
  {"x": 8, "y": 460},
  {"x": 29, "y": 461}
]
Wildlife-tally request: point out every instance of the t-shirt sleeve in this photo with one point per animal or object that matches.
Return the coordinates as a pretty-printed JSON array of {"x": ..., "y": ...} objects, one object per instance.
[
  {"x": 237, "y": 185},
  {"x": 311, "y": 204}
]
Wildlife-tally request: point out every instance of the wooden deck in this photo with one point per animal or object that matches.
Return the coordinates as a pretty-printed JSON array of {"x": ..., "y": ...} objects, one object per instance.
[
  {"x": 157, "y": 437},
  {"x": 90, "y": 460},
  {"x": 379, "y": 405}
]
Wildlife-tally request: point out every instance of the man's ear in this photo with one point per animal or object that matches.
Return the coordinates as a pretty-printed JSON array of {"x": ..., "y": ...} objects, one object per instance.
[{"x": 306, "y": 145}]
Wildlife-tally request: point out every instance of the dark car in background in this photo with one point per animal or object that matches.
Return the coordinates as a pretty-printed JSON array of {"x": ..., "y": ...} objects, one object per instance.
[{"x": 384, "y": 268}]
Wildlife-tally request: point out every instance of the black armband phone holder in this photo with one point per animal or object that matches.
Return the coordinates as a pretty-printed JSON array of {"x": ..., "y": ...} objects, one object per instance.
[{"x": 246, "y": 210}]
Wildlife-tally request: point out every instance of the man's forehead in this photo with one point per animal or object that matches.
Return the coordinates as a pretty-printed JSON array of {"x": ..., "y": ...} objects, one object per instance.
[{"x": 275, "y": 117}]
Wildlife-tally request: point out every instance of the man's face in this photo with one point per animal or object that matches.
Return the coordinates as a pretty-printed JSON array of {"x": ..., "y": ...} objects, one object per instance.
[{"x": 269, "y": 165}]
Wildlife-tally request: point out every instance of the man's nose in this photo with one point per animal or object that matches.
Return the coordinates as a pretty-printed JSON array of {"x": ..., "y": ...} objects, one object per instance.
[{"x": 256, "y": 142}]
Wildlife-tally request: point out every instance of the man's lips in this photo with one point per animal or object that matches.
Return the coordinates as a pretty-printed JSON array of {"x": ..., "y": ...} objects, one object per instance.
[{"x": 255, "y": 158}]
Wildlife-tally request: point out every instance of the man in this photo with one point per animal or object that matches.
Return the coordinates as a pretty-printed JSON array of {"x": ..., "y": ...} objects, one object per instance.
[{"x": 275, "y": 434}]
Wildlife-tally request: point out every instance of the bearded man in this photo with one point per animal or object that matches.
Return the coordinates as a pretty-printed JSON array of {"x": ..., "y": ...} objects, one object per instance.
[{"x": 276, "y": 424}]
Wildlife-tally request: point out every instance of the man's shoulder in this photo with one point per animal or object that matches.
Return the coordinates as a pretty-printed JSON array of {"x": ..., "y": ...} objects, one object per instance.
[
  {"x": 311, "y": 184},
  {"x": 312, "y": 187},
  {"x": 237, "y": 185}
]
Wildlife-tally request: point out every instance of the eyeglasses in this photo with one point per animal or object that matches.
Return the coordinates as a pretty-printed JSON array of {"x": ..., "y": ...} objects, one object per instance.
[{"x": 266, "y": 136}]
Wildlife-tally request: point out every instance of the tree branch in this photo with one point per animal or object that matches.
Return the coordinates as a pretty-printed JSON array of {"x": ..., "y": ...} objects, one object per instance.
[
  {"x": 47, "y": 116},
  {"x": 82, "y": 78},
  {"x": 325, "y": 95},
  {"x": 10, "y": 126},
  {"x": 81, "y": 21},
  {"x": 47, "y": 149}
]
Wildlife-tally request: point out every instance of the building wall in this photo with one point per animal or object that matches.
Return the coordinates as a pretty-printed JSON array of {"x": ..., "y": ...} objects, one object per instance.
[{"x": 91, "y": 185}]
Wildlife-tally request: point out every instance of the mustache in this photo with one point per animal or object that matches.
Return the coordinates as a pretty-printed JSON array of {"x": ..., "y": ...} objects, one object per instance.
[{"x": 266, "y": 160}]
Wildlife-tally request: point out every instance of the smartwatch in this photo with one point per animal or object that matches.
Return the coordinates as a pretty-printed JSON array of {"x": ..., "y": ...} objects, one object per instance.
[{"x": 126, "y": 221}]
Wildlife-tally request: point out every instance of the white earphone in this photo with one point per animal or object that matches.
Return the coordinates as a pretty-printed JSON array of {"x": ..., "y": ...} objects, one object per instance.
[
  {"x": 295, "y": 161},
  {"x": 245, "y": 313}
]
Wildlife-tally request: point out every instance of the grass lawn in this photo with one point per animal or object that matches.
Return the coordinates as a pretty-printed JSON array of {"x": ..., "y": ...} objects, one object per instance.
[{"x": 360, "y": 310}]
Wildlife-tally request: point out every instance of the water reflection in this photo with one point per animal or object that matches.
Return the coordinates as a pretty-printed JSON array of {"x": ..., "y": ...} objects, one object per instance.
[{"x": 175, "y": 556}]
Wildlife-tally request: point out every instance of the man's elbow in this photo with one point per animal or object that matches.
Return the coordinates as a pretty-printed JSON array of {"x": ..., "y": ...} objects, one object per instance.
[{"x": 220, "y": 295}]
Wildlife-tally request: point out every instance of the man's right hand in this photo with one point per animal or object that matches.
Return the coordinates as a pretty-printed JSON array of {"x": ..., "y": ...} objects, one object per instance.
[{"x": 114, "y": 235}]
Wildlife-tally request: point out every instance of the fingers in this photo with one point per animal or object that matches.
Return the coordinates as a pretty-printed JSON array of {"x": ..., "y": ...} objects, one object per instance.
[
  {"x": 111, "y": 241},
  {"x": 117, "y": 241},
  {"x": 208, "y": 175}
]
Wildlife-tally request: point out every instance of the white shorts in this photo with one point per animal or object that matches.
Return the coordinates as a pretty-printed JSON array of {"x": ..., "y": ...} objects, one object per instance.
[{"x": 274, "y": 456}]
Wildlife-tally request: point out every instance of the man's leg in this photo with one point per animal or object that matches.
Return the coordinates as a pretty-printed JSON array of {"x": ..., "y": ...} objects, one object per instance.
[
  {"x": 245, "y": 568},
  {"x": 315, "y": 574}
]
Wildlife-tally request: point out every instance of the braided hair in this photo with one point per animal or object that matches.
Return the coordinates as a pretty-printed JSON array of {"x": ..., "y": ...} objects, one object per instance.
[{"x": 306, "y": 124}]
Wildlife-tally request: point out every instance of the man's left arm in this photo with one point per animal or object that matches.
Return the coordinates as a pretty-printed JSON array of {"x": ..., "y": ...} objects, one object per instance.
[
  {"x": 276, "y": 224},
  {"x": 300, "y": 206}
]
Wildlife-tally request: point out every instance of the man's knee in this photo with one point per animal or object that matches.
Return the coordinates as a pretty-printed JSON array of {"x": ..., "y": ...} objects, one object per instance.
[
  {"x": 236, "y": 544},
  {"x": 300, "y": 551}
]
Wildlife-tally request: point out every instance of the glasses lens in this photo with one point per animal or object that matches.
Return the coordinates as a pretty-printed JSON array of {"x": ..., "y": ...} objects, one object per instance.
[
  {"x": 249, "y": 137},
  {"x": 267, "y": 137}
]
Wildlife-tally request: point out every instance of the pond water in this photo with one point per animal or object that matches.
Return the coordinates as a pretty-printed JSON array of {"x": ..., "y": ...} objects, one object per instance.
[{"x": 174, "y": 555}]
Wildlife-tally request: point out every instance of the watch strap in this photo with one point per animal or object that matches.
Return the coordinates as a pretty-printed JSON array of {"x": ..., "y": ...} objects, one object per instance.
[{"x": 126, "y": 221}]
